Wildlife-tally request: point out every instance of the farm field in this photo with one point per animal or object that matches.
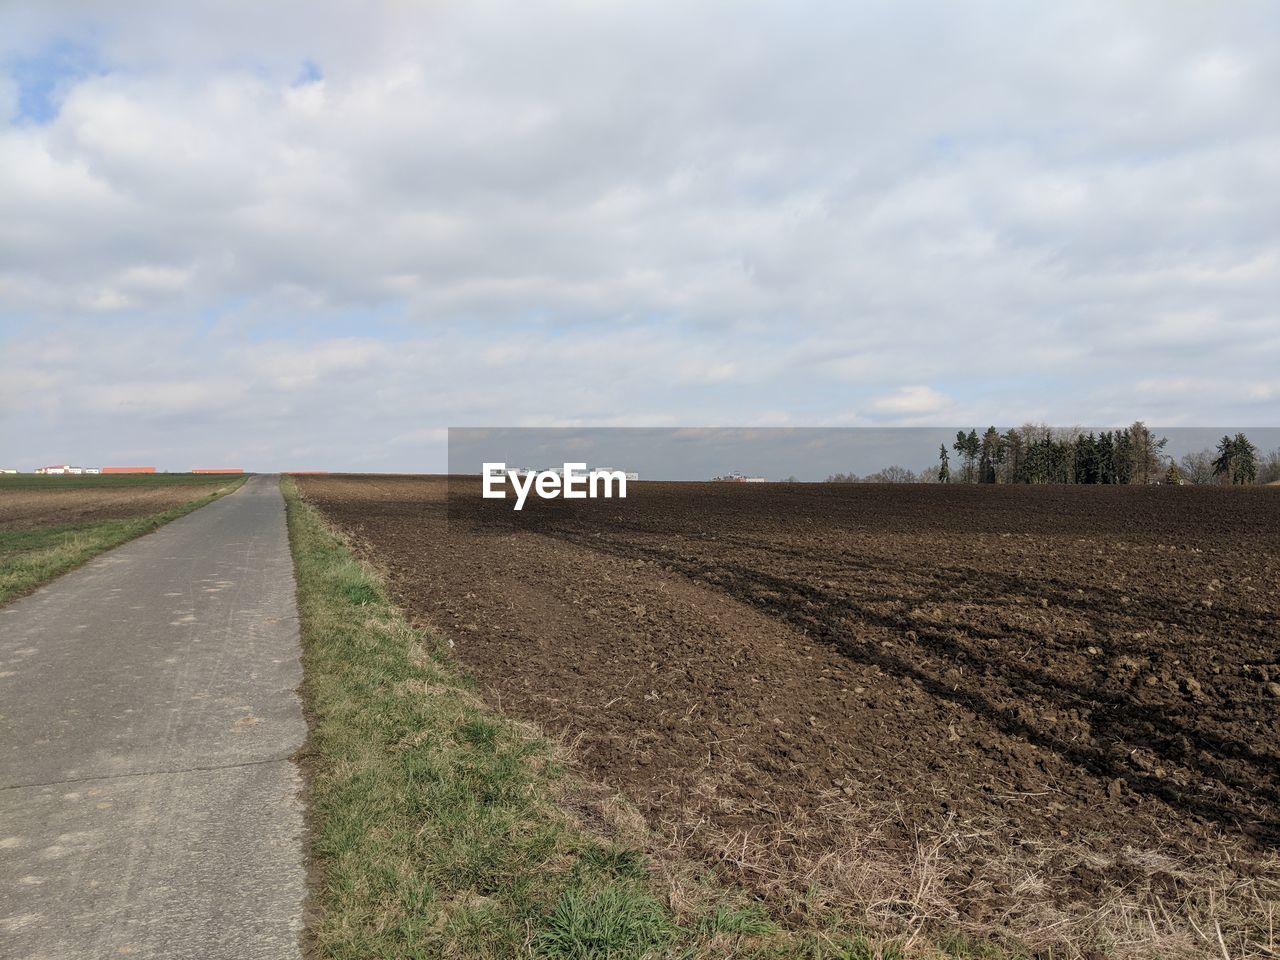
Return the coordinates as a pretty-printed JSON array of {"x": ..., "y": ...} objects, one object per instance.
[
  {"x": 49, "y": 525},
  {"x": 1048, "y": 714},
  {"x": 28, "y": 501}
]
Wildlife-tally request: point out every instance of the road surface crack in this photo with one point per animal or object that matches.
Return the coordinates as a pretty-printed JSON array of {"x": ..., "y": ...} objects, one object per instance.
[{"x": 202, "y": 768}]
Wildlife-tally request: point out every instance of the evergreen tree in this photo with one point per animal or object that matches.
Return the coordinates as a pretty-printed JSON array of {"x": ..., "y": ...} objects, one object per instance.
[
  {"x": 1061, "y": 460},
  {"x": 1014, "y": 449},
  {"x": 991, "y": 455},
  {"x": 1223, "y": 465},
  {"x": 959, "y": 447},
  {"x": 1106, "y": 458},
  {"x": 1036, "y": 453},
  {"x": 944, "y": 469},
  {"x": 1086, "y": 462},
  {"x": 968, "y": 446},
  {"x": 1039, "y": 467},
  {"x": 1244, "y": 460},
  {"x": 1122, "y": 457},
  {"x": 1174, "y": 476}
]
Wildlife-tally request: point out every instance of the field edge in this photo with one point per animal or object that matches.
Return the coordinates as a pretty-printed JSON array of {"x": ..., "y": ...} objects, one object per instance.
[{"x": 439, "y": 827}]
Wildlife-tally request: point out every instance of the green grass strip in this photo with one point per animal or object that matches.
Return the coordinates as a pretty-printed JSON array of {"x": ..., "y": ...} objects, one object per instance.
[
  {"x": 29, "y": 558},
  {"x": 435, "y": 829}
]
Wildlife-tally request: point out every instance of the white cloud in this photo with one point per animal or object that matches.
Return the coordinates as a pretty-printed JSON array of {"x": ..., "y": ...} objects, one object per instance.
[
  {"x": 290, "y": 367},
  {"x": 912, "y": 401},
  {"x": 652, "y": 212}
]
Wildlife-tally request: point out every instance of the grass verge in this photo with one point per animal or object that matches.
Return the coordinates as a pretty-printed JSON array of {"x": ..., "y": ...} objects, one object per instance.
[
  {"x": 29, "y": 558},
  {"x": 438, "y": 828}
]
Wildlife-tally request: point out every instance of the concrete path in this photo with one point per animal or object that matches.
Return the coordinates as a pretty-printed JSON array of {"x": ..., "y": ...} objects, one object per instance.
[{"x": 148, "y": 806}]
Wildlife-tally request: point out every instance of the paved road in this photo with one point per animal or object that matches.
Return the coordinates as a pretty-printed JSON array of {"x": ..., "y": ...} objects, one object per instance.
[{"x": 148, "y": 806}]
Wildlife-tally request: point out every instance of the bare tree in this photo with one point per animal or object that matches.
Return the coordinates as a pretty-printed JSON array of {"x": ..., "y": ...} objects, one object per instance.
[
  {"x": 893, "y": 474},
  {"x": 1269, "y": 467},
  {"x": 1145, "y": 453},
  {"x": 1197, "y": 467}
]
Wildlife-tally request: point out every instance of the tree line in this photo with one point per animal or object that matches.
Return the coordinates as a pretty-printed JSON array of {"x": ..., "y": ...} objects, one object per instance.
[
  {"x": 1036, "y": 453},
  {"x": 894, "y": 474}
]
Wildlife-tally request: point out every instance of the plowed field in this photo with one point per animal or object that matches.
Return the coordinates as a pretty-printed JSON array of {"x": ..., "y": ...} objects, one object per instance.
[
  {"x": 1047, "y": 713},
  {"x": 59, "y": 504}
]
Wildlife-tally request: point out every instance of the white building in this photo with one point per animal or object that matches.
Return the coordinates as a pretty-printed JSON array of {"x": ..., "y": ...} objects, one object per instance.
[
  {"x": 62, "y": 469},
  {"x": 558, "y": 471},
  {"x": 630, "y": 475}
]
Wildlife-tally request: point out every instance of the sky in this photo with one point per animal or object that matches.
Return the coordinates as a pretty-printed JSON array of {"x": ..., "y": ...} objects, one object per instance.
[{"x": 317, "y": 235}]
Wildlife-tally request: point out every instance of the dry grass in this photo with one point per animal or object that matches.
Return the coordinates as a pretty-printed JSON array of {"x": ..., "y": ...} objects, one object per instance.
[
  {"x": 967, "y": 878},
  {"x": 913, "y": 907}
]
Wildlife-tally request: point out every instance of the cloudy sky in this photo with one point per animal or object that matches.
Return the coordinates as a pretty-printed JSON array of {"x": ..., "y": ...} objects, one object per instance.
[{"x": 312, "y": 234}]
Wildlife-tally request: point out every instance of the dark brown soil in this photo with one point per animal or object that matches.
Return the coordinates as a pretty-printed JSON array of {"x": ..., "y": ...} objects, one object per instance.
[{"x": 1042, "y": 703}]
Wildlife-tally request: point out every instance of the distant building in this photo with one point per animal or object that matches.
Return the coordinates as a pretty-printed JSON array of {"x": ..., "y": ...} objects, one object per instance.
[
  {"x": 7, "y": 470},
  {"x": 559, "y": 472},
  {"x": 736, "y": 477},
  {"x": 630, "y": 475},
  {"x": 521, "y": 472},
  {"x": 128, "y": 469},
  {"x": 64, "y": 469},
  {"x": 218, "y": 470}
]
